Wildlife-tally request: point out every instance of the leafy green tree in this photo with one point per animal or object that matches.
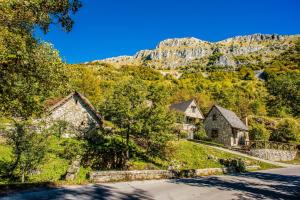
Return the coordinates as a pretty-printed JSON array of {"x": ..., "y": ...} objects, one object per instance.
[
  {"x": 30, "y": 71},
  {"x": 125, "y": 108},
  {"x": 25, "y": 15},
  {"x": 158, "y": 121},
  {"x": 284, "y": 92},
  {"x": 29, "y": 148},
  {"x": 286, "y": 131},
  {"x": 259, "y": 132}
]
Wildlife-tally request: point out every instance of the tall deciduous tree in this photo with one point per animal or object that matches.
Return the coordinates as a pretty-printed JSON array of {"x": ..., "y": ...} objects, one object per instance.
[
  {"x": 125, "y": 108},
  {"x": 30, "y": 71}
]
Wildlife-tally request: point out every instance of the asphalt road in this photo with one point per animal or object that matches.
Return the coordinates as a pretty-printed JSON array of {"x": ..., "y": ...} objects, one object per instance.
[{"x": 281, "y": 183}]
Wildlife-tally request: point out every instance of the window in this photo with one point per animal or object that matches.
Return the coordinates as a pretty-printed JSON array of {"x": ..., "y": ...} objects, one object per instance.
[
  {"x": 214, "y": 117},
  {"x": 214, "y": 133},
  {"x": 193, "y": 109}
]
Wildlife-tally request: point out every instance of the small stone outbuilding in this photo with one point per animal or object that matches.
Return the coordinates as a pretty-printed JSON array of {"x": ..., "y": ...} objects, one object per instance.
[
  {"x": 77, "y": 112},
  {"x": 224, "y": 126},
  {"x": 192, "y": 114}
]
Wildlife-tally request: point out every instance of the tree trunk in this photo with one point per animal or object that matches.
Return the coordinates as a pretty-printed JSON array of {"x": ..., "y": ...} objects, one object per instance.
[
  {"x": 14, "y": 166},
  {"x": 127, "y": 145},
  {"x": 23, "y": 175}
]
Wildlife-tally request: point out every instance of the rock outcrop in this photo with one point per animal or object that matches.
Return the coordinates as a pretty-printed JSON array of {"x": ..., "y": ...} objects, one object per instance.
[{"x": 173, "y": 53}]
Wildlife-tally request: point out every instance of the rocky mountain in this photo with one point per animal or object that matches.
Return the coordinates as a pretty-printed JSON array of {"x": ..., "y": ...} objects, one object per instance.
[{"x": 232, "y": 52}]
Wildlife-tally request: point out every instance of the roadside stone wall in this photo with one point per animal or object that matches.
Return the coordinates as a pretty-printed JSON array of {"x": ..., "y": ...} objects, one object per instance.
[
  {"x": 273, "y": 154},
  {"x": 111, "y": 176}
]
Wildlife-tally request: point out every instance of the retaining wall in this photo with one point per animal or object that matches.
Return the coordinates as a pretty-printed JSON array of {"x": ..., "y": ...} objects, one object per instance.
[
  {"x": 273, "y": 154},
  {"x": 111, "y": 176}
]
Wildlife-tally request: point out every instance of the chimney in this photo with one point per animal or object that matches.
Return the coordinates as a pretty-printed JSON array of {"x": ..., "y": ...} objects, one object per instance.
[{"x": 246, "y": 121}]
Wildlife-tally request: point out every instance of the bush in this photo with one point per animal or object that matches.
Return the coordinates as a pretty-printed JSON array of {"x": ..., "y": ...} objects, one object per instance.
[
  {"x": 286, "y": 131},
  {"x": 72, "y": 148},
  {"x": 183, "y": 134},
  {"x": 237, "y": 164},
  {"x": 28, "y": 148},
  {"x": 259, "y": 132},
  {"x": 200, "y": 133}
]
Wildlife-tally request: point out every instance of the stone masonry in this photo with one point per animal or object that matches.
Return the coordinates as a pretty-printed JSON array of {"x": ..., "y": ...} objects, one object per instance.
[
  {"x": 274, "y": 154},
  {"x": 76, "y": 112}
]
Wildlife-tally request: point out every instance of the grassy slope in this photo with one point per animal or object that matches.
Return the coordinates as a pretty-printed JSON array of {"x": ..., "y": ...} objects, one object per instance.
[
  {"x": 184, "y": 154},
  {"x": 190, "y": 155}
]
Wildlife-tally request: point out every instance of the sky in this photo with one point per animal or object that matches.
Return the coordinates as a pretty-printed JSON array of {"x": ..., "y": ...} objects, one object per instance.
[{"x": 107, "y": 28}]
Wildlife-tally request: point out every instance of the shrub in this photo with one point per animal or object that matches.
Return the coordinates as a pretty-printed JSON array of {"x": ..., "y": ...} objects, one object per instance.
[
  {"x": 200, "y": 133},
  {"x": 286, "y": 131},
  {"x": 237, "y": 164},
  {"x": 259, "y": 132},
  {"x": 28, "y": 148},
  {"x": 183, "y": 134}
]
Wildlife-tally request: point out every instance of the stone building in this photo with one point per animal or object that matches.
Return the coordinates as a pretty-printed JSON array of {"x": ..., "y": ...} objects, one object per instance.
[
  {"x": 224, "y": 126},
  {"x": 76, "y": 112},
  {"x": 192, "y": 114}
]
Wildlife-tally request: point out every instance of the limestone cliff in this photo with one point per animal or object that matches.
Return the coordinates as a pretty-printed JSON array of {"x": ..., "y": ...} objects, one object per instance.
[{"x": 173, "y": 53}]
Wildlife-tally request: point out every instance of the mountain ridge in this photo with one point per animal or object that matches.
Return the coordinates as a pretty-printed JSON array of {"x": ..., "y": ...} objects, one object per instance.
[{"x": 177, "y": 52}]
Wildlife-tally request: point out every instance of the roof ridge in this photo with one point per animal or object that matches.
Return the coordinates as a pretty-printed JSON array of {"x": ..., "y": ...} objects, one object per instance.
[{"x": 231, "y": 117}]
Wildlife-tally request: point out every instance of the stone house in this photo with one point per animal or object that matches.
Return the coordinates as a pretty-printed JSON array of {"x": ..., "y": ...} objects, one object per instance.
[
  {"x": 224, "y": 126},
  {"x": 78, "y": 114},
  {"x": 192, "y": 114}
]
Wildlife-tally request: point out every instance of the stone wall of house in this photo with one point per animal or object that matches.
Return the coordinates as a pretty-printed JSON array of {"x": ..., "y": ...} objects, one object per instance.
[
  {"x": 110, "y": 176},
  {"x": 221, "y": 124},
  {"x": 273, "y": 154},
  {"x": 76, "y": 114}
]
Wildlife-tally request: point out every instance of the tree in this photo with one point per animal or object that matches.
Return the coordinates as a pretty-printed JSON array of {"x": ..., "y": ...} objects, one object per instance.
[
  {"x": 29, "y": 148},
  {"x": 25, "y": 15},
  {"x": 30, "y": 71},
  {"x": 125, "y": 108},
  {"x": 158, "y": 121},
  {"x": 259, "y": 132},
  {"x": 286, "y": 131}
]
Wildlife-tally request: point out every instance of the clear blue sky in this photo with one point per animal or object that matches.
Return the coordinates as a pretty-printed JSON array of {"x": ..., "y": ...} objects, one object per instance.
[{"x": 106, "y": 28}]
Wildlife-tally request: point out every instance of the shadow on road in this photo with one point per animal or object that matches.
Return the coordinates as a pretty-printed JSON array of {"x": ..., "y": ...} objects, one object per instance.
[
  {"x": 251, "y": 185},
  {"x": 84, "y": 192}
]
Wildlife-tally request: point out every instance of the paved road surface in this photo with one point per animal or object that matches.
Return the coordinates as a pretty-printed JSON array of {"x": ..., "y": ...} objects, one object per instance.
[{"x": 281, "y": 183}]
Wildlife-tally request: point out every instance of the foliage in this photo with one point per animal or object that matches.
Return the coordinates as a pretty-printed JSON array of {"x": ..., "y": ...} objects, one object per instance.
[
  {"x": 125, "y": 108},
  {"x": 72, "y": 147},
  {"x": 214, "y": 57},
  {"x": 24, "y": 16},
  {"x": 286, "y": 131},
  {"x": 29, "y": 148},
  {"x": 237, "y": 164},
  {"x": 30, "y": 71},
  {"x": 107, "y": 152},
  {"x": 200, "y": 133},
  {"x": 259, "y": 132},
  {"x": 284, "y": 94},
  {"x": 140, "y": 112}
]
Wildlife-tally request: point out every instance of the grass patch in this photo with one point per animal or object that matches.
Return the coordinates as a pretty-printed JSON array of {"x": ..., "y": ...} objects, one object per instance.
[
  {"x": 190, "y": 155},
  {"x": 296, "y": 161}
]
